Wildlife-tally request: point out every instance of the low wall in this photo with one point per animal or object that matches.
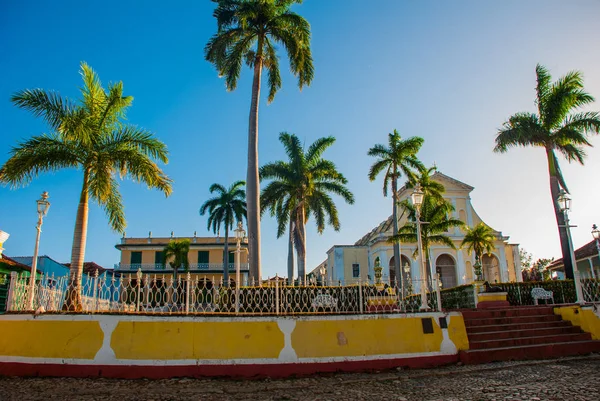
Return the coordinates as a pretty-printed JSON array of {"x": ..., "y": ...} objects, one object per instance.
[
  {"x": 587, "y": 318},
  {"x": 157, "y": 347}
]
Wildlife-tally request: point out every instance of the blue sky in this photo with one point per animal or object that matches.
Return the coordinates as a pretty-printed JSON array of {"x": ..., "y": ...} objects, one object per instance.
[{"x": 451, "y": 72}]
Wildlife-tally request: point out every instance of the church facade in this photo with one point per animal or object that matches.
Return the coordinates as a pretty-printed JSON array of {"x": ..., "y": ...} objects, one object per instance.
[{"x": 352, "y": 263}]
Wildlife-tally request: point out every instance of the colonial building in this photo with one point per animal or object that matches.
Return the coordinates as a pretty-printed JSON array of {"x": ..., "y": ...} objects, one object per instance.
[
  {"x": 588, "y": 262},
  {"x": 350, "y": 263},
  {"x": 205, "y": 257}
]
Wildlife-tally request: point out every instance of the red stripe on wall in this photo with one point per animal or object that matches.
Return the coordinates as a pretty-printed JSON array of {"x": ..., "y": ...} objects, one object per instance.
[{"x": 246, "y": 371}]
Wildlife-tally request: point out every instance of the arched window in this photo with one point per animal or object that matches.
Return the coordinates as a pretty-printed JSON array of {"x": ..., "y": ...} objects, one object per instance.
[{"x": 446, "y": 268}]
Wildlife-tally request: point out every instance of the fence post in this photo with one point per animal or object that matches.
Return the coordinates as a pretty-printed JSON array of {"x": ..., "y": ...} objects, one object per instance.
[
  {"x": 277, "y": 295},
  {"x": 519, "y": 294},
  {"x": 475, "y": 294},
  {"x": 95, "y": 293},
  {"x": 438, "y": 292},
  {"x": 10, "y": 301},
  {"x": 187, "y": 292},
  {"x": 237, "y": 293},
  {"x": 139, "y": 289},
  {"x": 360, "y": 298}
]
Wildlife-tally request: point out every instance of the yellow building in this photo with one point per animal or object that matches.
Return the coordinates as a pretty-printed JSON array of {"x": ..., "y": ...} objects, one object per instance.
[
  {"x": 350, "y": 263},
  {"x": 205, "y": 257}
]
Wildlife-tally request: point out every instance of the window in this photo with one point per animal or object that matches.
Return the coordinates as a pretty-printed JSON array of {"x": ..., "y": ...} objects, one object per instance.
[
  {"x": 355, "y": 270},
  {"x": 136, "y": 258},
  {"x": 203, "y": 257},
  {"x": 231, "y": 257},
  {"x": 159, "y": 257}
]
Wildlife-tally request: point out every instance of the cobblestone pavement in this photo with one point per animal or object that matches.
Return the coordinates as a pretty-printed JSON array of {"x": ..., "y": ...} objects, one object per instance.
[{"x": 572, "y": 379}]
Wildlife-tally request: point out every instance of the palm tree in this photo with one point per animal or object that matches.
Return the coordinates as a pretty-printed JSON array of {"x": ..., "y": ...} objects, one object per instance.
[
  {"x": 480, "y": 240},
  {"x": 227, "y": 208},
  {"x": 305, "y": 181},
  {"x": 399, "y": 157},
  {"x": 90, "y": 135},
  {"x": 435, "y": 222},
  {"x": 248, "y": 31},
  {"x": 282, "y": 206},
  {"x": 557, "y": 129},
  {"x": 428, "y": 185},
  {"x": 177, "y": 252}
]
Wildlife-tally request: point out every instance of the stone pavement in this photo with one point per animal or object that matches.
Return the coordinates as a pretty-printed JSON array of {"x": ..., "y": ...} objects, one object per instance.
[{"x": 573, "y": 379}]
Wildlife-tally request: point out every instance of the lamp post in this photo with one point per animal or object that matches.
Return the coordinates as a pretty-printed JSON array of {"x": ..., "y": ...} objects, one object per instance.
[
  {"x": 42, "y": 208},
  {"x": 596, "y": 235},
  {"x": 417, "y": 201},
  {"x": 564, "y": 203},
  {"x": 240, "y": 235}
]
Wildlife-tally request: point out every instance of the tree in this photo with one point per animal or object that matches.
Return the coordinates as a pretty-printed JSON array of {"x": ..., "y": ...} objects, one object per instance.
[
  {"x": 177, "y": 252},
  {"x": 399, "y": 157},
  {"x": 306, "y": 179},
  {"x": 479, "y": 239},
  {"x": 428, "y": 185},
  {"x": 556, "y": 129},
  {"x": 435, "y": 222},
  {"x": 248, "y": 30},
  {"x": 90, "y": 135},
  {"x": 227, "y": 208}
]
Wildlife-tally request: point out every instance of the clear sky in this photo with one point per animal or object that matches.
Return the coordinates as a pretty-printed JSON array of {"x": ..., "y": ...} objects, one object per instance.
[{"x": 451, "y": 72}]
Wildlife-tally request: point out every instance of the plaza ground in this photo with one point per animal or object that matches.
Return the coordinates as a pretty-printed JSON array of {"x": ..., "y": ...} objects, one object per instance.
[{"x": 575, "y": 379}]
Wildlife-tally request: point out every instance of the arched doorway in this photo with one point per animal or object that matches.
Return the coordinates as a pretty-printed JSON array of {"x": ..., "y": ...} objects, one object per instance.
[
  {"x": 404, "y": 261},
  {"x": 446, "y": 268},
  {"x": 491, "y": 268},
  {"x": 392, "y": 273}
]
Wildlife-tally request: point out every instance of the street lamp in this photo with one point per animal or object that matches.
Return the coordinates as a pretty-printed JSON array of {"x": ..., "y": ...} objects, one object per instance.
[
  {"x": 596, "y": 235},
  {"x": 42, "y": 209},
  {"x": 240, "y": 235},
  {"x": 417, "y": 201},
  {"x": 564, "y": 203},
  {"x": 408, "y": 289}
]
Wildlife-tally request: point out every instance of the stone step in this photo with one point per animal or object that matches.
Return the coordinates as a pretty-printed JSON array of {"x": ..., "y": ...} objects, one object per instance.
[
  {"x": 538, "y": 351},
  {"x": 524, "y": 341},
  {"x": 532, "y": 332},
  {"x": 515, "y": 326},
  {"x": 511, "y": 320},
  {"x": 495, "y": 313}
]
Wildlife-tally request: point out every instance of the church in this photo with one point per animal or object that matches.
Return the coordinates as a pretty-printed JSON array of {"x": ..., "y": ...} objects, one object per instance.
[{"x": 353, "y": 263}]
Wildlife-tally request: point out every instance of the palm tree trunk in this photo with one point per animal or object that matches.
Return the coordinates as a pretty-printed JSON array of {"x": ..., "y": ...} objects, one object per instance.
[
  {"x": 397, "y": 270},
  {"x": 290, "y": 261},
  {"x": 252, "y": 179},
  {"x": 73, "y": 299},
  {"x": 560, "y": 218},
  {"x": 226, "y": 257},
  {"x": 301, "y": 245}
]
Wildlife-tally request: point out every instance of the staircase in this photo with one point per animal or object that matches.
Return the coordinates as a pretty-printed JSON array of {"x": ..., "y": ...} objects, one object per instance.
[{"x": 520, "y": 333}]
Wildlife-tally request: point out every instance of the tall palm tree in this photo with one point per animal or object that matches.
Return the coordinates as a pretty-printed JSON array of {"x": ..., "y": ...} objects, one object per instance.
[
  {"x": 557, "y": 129},
  {"x": 90, "y": 135},
  {"x": 307, "y": 179},
  {"x": 248, "y": 30},
  {"x": 400, "y": 156},
  {"x": 428, "y": 185},
  {"x": 435, "y": 222},
  {"x": 176, "y": 253},
  {"x": 479, "y": 239},
  {"x": 227, "y": 208},
  {"x": 282, "y": 206}
]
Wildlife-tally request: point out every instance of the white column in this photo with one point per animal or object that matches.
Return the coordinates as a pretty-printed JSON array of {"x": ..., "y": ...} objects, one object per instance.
[
  {"x": 517, "y": 260},
  {"x": 455, "y": 213},
  {"x": 460, "y": 267},
  {"x": 503, "y": 265},
  {"x": 469, "y": 208}
]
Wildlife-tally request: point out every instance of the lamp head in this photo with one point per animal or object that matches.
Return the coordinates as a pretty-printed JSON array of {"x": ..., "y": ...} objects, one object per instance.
[
  {"x": 417, "y": 196},
  {"x": 406, "y": 268},
  {"x": 595, "y": 232},
  {"x": 564, "y": 201},
  {"x": 240, "y": 233},
  {"x": 42, "y": 204}
]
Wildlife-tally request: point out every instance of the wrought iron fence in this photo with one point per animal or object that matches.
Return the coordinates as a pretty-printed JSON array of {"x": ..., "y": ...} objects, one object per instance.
[{"x": 198, "y": 294}]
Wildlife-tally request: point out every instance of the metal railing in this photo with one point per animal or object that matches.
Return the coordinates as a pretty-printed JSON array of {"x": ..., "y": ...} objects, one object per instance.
[
  {"x": 147, "y": 293},
  {"x": 156, "y": 267}
]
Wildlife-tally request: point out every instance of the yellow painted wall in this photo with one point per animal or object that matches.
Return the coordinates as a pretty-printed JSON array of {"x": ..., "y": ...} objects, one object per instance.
[
  {"x": 50, "y": 339},
  {"x": 582, "y": 317},
  {"x": 356, "y": 255}
]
